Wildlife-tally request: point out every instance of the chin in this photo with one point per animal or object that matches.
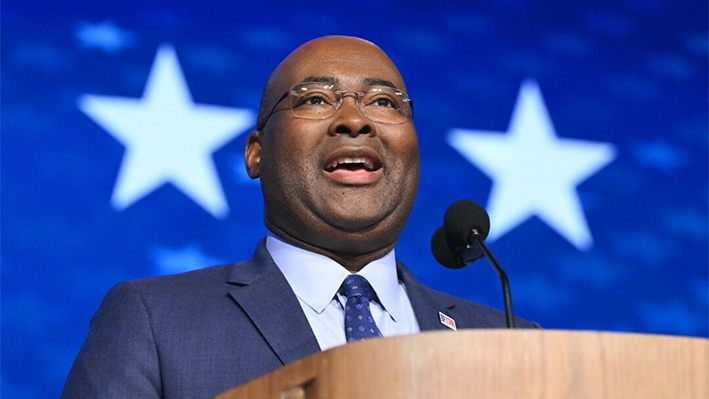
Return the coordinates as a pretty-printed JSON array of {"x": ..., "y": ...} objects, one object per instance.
[
  {"x": 376, "y": 231},
  {"x": 357, "y": 222},
  {"x": 359, "y": 242}
]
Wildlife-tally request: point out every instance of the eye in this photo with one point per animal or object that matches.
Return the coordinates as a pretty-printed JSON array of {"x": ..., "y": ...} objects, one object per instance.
[
  {"x": 383, "y": 98},
  {"x": 313, "y": 99},
  {"x": 384, "y": 102}
]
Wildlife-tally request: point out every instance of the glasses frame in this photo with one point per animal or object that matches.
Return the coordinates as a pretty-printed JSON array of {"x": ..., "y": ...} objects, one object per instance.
[{"x": 342, "y": 94}]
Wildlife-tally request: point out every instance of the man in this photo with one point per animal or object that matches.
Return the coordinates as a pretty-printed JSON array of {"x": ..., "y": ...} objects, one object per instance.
[{"x": 337, "y": 154}]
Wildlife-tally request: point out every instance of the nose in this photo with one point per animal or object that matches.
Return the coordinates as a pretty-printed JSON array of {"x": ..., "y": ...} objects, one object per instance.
[{"x": 349, "y": 119}]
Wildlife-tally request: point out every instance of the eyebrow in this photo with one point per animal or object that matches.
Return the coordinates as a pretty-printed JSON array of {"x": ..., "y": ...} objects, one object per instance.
[
  {"x": 320, "y": 79},
  {"x": 334, "y": 81},
  {"x": 379, "y": 82}
]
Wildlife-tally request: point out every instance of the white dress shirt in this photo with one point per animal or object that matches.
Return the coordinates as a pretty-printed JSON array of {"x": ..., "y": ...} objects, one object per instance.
[{"x": 315, "y": 279}]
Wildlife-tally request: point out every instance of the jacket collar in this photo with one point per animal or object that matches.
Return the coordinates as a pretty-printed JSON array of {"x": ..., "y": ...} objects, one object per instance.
[
  {"x": 425, "y": 303},
  {"x": 264, "y": 294}
]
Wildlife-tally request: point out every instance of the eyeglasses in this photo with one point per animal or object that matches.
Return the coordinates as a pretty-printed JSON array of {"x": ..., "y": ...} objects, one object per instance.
[{"x": 315, "y": 100}]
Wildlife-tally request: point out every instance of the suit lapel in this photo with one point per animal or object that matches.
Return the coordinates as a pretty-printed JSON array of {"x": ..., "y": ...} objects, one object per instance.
[
  {"x": 262, "y": 291},
  {"x": 426, "y": 306}
]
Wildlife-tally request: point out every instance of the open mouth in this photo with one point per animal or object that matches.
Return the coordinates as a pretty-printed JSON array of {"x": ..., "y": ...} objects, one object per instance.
[{"x": 353, "y": 164}]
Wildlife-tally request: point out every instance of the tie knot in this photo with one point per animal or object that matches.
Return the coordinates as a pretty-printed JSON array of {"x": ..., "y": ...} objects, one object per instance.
[{"x": 356, "y": 286}]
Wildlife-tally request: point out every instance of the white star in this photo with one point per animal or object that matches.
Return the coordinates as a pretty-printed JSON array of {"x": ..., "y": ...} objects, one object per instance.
[
  {"x": 168, "y": 138},
  {"x": 534, "y": 172}
]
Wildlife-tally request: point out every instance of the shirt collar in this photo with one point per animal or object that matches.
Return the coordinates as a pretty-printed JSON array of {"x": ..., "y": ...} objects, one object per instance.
[{"x": 315, "y": 278}]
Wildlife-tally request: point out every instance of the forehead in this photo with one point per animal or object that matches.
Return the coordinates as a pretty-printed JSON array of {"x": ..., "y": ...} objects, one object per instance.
[{"x": 351, "y": 64}]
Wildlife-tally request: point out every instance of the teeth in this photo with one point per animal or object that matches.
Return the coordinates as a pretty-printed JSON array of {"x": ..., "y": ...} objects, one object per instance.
[
  {"x": 343, "y": 161},
  {"x": 352, "y": 160}
]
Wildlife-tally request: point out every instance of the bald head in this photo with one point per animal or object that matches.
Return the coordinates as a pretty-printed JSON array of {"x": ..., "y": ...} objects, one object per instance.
[{"x": 321, "y": 51}]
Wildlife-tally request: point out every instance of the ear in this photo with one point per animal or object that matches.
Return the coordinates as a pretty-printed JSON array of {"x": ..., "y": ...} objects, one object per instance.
[{"x": 252, "y": 154}]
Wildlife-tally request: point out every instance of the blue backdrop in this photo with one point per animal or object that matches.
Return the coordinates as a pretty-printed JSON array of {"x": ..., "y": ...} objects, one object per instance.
[{"x": 580, "y": 126}]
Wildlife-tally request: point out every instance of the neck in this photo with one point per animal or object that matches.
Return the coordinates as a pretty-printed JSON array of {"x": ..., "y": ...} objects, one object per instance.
[{"x": 352, "y": 261}]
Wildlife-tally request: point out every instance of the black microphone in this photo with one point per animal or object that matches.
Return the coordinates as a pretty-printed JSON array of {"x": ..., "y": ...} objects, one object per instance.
[
  {"x": 461, "y": 241},
  {"x": 461, "y": 219},
  {"x": 451, "y": 257},
  {"x": 442, "y": 252}
]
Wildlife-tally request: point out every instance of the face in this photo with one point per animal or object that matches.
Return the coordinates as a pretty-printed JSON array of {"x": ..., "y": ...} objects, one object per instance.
[{"x": 343, "y": 184}]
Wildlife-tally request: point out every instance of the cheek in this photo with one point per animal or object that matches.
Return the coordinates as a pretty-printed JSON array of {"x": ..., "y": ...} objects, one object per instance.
[
  {"x": 403, "y": 140},
  {"x": 293, "y": 138},
  {"x": 409, "y": 172},
  {"x": 287, "y": 164},
  {"x": 405, "y": 151},
  {"x": 282, "y": 148}
]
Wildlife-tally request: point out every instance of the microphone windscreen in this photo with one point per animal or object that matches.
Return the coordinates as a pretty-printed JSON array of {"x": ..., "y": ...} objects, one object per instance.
[
  {"x": 442, "y": 252},
  {"x": 461, "y": 218}
]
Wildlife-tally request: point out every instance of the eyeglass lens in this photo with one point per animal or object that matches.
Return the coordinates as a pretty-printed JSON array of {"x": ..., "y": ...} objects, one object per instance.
[{"x": 319, "y": 101}]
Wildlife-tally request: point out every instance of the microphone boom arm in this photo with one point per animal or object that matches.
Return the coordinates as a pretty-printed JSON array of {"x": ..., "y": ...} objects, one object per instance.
[{"x": 477, "y": 239}]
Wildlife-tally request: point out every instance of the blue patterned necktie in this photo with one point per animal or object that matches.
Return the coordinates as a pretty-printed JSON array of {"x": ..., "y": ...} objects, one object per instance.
[{"x": 359, "y": 323}]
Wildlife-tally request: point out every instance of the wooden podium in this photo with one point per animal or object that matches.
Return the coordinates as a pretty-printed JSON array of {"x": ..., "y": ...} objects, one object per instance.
[{"x": 495, "y": 364}]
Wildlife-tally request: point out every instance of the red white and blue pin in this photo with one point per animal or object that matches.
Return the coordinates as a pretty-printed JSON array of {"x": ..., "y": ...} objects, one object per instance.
[{"x": 447, "y": 321}]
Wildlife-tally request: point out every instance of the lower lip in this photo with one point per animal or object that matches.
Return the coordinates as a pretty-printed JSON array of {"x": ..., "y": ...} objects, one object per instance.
[{"x": 354, "y": 177}]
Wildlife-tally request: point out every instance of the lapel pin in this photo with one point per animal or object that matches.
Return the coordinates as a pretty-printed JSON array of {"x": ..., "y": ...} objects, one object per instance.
[{"x": 447, "y": 321}]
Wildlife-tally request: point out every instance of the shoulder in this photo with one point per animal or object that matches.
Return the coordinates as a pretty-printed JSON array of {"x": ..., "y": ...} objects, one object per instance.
[
  {"x": 468, "y": 314},
  {"x": 205, "y": 279},
  {"x": 141, "y": 300},
  {"x": 196, "y": 279}
]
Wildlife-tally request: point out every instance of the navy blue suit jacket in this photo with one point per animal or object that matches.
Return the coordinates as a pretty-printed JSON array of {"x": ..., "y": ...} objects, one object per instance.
[{"x": 197, "y": 334}]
